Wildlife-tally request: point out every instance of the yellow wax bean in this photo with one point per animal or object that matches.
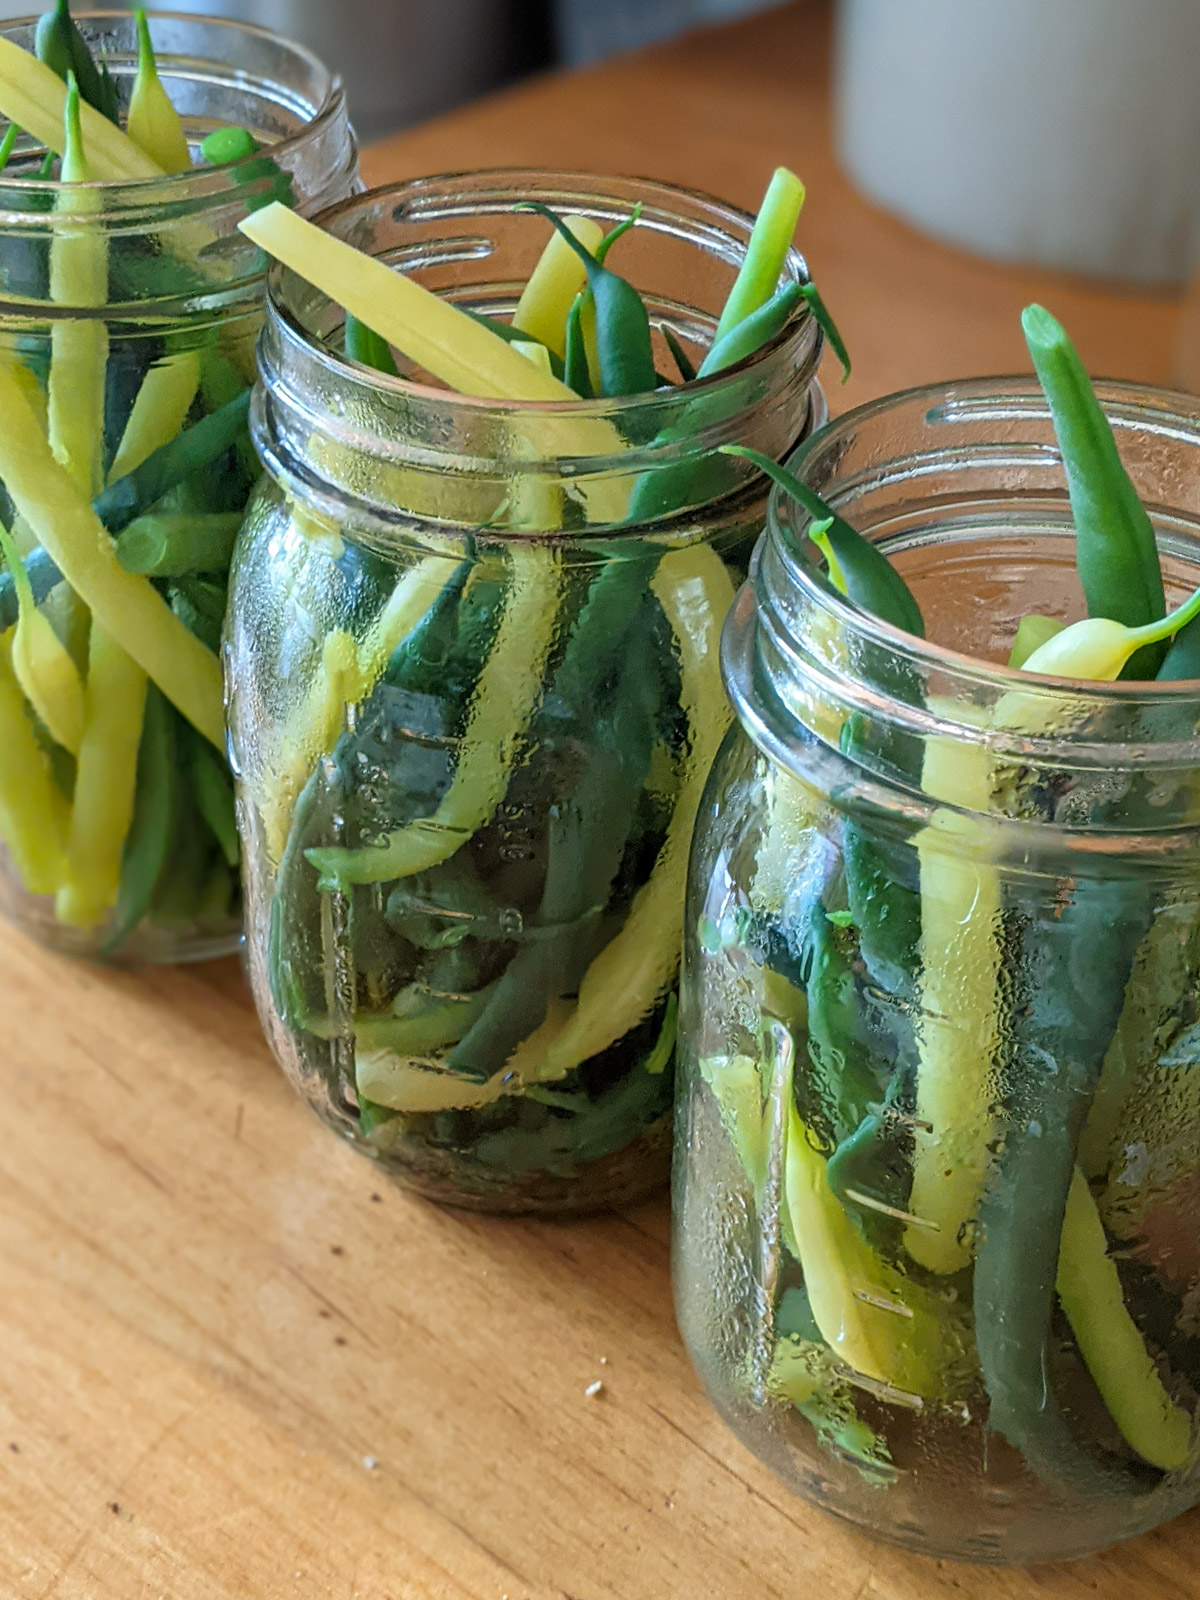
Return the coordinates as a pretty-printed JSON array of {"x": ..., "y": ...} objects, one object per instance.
[
  {"x": 532, "y": 351},
  {"x": 35, "y": 98},
  {"x": 159, "y": 411},
  {"x": 1095, "y": 650},
  {"x": 126, "y": 606},
  {"x": 49, "y": 677},
  {"x": 344, "y": 675},
  {"x": 78, "y": 356},
  {"x": 873, "y": 1319},
  {"x": 554, "y": 283},
  {"x": 33, "y": 812},
  {"x": 390, "y": 1079},
  {"x": 533, "y": 503},
  {"x": 960, "y": 942},
  {"x": 787, "y": 838},
  {"x": 444, "y": 341},
  {"x": 629, "y": 975},
  {"x": 310, "y": 734},
  {"x": 504, "y": 700},
  {"x": 959, "y": 1007},
  {"x": 407, "y": 604},
  {"x": 736, "y": 1083},
  {"x": 404, "y": 1085},
  {"x": 430, "y": 331},
  {"x": 105, "y": 783},
  {"x": 78, "y": 345},
  {"x": 1033, "y": 631},
  {"x": 42, "y": 663},
  {"x": 1109, "y": 1341},
  {"x": 153, "y": 122}
]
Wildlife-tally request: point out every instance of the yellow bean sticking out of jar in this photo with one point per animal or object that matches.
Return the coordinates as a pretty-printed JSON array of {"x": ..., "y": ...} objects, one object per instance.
[
  {"x": 48, "y": 676},
  {"x": 153, "y": 123}
]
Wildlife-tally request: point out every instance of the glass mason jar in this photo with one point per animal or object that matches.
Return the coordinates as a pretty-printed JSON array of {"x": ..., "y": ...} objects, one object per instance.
[
  {"x": 937, "y": 1183},
  {"x": 132, "y": 309},
  {"x": 472, "y": 658}
]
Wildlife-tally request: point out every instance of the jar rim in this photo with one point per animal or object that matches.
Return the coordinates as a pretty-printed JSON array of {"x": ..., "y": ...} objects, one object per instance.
[
  {"x": 201, "y": 184},
  {"x": 1003, "y": 393},
  {"x": 800, "y": 326}
]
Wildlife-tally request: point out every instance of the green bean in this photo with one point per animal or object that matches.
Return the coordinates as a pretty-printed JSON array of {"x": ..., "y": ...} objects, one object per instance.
[
  {"x": 885, "y": 909},
  {"x": 152, "y": 122},
  {"x": 514, "y": 335},
  {"x": 623, "y": 340},
  {"x": 749, "y": 335},
  {"x": 770, "y": 241},
  {"x": 418, "y": 667},
  {"x": 1182, "y": 659},
  {"x": 179, "y": 890},
  {"x": 871, "y": 580},
  {"x": 59, "y": 45},
  {"x": 223, "y": 146},
  {"x": 1076, "y": 965},
  {"x": 148, "y": 845},
  {"x": 234, "y": 147},
  {"x": 190, "y": 451},
  {"x": 683, "y": 361},
  {"x": 364, "y": 345},
  {"x": 846, "y": 1080},
  {"x": 1116, "y": 551},
  {"x": 212, "y": 789},
  {"x": 43, "y": 576},
  {"x": 827, "y": 325},
  {"x": 701, "y": 478},
  {"x": 174, "y": 544},
  {"x": 1074, "y": 970},
  {"x": 870, "y": 1171},
  {"x": 200, "y": 603},
  {"x": 575, "y": 363},
  {"x": 587, "y": 839},
  {"x": 8, "y": 144}
]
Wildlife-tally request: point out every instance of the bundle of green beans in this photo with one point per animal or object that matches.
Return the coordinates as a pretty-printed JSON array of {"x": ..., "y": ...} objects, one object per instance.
[
  {"x": 476, "y": 905},
  {"x": 958, "y": 1045},
  {"x": 125, "y": 464}
]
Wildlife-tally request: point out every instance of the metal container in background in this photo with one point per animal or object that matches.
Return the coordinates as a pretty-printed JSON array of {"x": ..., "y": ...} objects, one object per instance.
[
  {"x": 590, "y": 30},
  {"x": 1064, "y": 133},
  {"x": 401, "y": 60}
]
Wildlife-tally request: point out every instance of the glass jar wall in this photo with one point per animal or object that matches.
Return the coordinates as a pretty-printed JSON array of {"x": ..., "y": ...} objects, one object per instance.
[
  {"x": 938, "y": 1122},
  {"x": 472, "y": 657},
  {"x": 128, "y": 316}
]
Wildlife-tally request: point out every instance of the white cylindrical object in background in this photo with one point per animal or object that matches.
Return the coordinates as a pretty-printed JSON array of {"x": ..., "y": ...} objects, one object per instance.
[{"x": 1064, "y": 133}]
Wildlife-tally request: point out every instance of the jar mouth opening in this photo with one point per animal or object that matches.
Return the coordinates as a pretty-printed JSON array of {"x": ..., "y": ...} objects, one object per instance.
[
  {"x": 293, "y": 305},
  {"x": 313, "y": 109},
  {"x": 1015, "y": 396}
]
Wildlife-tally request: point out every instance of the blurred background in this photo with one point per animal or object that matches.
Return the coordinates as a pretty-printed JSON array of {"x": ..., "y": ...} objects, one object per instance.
[
  {"x": 404, "y": 60},
  {"x": 1054, "y": 133}
]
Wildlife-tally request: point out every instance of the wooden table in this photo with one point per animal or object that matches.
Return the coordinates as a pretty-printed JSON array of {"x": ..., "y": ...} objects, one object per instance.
[{"x": 234, "y": 1362}]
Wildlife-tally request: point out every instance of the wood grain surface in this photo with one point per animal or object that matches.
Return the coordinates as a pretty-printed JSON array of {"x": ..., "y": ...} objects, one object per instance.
[{"x": 235, "y": 1362}]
